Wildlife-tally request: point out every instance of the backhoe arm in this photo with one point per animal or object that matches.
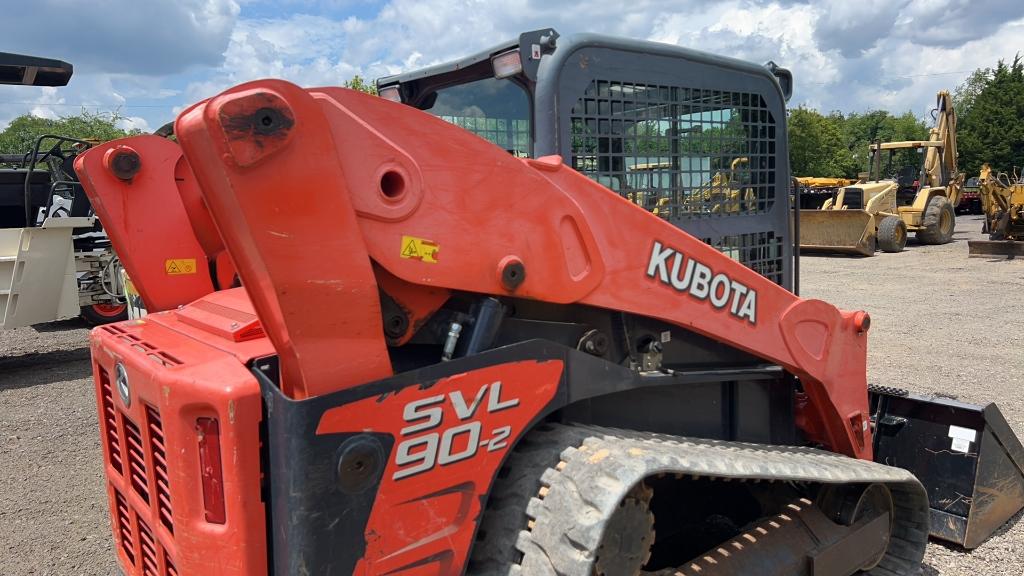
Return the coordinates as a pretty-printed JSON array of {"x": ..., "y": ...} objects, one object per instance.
[
  {"x": 323, "y": 195},
  {"x": 940, "y": 163}
]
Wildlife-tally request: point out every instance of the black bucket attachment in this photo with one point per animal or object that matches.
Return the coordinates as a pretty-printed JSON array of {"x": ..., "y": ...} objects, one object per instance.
[
  {"x": 1008, "y": 248},
  {"x": 967, "y": 457}
]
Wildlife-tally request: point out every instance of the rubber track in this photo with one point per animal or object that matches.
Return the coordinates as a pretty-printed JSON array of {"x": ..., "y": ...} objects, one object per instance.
[{"x": 569, "y": 479}]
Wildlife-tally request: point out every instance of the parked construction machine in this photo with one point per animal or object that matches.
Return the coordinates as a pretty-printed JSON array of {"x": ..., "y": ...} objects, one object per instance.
[
  {"x": 878, "y": 214},
  {"x": 814, "y": 191},
  {"x": 55, "y": 261},
  {"x": 1002, "y": 201},
  {"x": 970, "y": 197},
  {"x": 443, "y": 358}
]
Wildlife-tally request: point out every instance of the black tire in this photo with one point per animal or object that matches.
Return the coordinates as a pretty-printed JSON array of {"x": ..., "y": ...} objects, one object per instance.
[
  {"x": 892, "y": 234},
  {"x": 938, "y": 222},
  {"x": 100, "y": 314}
]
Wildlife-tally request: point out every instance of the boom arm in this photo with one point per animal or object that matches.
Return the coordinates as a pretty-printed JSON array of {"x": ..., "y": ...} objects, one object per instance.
[
  {"x": 308, "y": 188},
  {"x": 942, "y": 169}
]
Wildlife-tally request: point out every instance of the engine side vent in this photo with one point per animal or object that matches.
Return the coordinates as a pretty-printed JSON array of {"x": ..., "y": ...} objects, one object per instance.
[
  {"x": 110, "y": 422},
  {"x": 147, "y": 546},
  {"x": 149, "y": 350},
  {"x": 158, "y": 453},
  {"x": 136, "y": 459},
  {"x": 171, "y": 570},
  {"x": 124, "y": 527}
]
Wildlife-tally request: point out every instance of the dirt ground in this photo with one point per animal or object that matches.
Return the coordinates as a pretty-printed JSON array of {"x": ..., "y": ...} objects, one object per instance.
[{"x": 941, "y": 323}]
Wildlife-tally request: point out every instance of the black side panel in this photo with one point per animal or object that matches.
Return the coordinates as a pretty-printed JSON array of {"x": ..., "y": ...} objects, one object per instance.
[
  {"x": 308, "y": 495},
  {"x": 755, "y": 410},
  {"x": 323, "y": 487}
]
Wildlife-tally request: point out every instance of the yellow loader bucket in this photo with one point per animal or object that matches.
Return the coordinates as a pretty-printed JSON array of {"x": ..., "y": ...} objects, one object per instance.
[{"x": 843, "y": 231}]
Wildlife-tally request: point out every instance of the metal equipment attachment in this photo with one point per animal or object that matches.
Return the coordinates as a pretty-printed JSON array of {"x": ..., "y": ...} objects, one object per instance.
[{"x": 966, "y": 455}]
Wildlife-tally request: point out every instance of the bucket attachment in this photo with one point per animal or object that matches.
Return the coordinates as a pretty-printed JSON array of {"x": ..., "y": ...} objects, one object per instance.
[
  {"x": 967, "y": 457},
  {"x": 1009, "y": 248},
  {"x": 37, "y": 274},
  {"x": 843, "y": 231}
]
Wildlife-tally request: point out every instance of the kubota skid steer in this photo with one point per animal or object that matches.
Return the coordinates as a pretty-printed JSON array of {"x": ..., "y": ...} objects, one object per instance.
[{"x": 444, "y": 359}]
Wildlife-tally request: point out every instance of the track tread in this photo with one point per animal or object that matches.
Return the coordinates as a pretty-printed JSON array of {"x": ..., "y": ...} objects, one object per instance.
[{"x": 587, "y": 470}]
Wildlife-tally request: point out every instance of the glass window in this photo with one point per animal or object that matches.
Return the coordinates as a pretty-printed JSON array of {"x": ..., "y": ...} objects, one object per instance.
[{"x": 496, "y": 110}]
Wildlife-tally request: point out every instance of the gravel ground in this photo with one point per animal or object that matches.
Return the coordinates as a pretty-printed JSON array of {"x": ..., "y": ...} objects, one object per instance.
[{"x": 941, "y": 323}]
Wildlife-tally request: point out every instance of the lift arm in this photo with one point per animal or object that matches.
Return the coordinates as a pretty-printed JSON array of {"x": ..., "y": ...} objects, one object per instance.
[
  {"x": 312, "y": 189},
  {"x": 940, "y": 163}
]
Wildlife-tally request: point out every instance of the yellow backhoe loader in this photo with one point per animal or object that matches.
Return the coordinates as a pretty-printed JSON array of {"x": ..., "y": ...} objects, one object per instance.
[
  {"x": 815, "y": 190},
  {"x": 896, "y": 199},
  {"x": 1002, "y": 199},
  {"x": 725, "y": 192}
]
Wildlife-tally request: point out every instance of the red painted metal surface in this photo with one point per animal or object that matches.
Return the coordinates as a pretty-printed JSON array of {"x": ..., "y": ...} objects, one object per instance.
[
  {"x": 155, "y": 218},
  {"x": 177, "y": 376},
  {"x": 299, "y": 251},
  {"x": 424, "y": 522},
  {"x": 407, "y": 175}
]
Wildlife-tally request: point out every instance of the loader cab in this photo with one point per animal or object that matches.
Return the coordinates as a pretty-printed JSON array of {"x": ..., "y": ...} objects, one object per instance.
[
  {"x": 697, "y": 139},
  {"x": 904, "y": 164}
]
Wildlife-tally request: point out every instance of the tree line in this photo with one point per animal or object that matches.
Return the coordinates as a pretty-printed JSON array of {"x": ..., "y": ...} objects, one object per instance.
[
  {"x": 990, "y": 129},
  {"x": 989, "y": 105}
]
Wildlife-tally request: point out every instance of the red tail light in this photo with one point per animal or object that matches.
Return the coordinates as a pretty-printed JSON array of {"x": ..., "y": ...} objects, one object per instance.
[{"x": 208, "y": 431}]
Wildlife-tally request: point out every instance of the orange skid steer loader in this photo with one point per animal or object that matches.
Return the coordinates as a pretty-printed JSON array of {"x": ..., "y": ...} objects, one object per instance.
[{"x": 406, "y": 351}]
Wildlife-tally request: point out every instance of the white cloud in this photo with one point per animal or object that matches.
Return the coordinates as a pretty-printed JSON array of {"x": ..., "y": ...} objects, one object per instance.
[
  {"x": 134, "y": 123},
  {"x": 123, "y": 36},
  {"x": 303, "y": 49},
  {"x": 891, "y": 54}
]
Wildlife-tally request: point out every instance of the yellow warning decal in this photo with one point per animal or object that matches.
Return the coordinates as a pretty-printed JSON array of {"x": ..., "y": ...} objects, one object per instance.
[
  {"x": 419, "y": 249},
  {"x": 179, "y": 266}
]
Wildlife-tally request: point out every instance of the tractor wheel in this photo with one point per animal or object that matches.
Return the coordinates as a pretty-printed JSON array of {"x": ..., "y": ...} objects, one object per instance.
[
  {"x": 938, "y": 222},
  {"x": 98, "y": 314},
  {"x": 892, "y": 234}
]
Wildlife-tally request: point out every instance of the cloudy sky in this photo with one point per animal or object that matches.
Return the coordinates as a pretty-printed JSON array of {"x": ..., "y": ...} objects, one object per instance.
[{"x": 149, "y": 58}]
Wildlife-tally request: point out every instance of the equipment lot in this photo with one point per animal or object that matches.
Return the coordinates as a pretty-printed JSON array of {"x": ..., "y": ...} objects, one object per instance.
[{"x": 941, "y": 324}]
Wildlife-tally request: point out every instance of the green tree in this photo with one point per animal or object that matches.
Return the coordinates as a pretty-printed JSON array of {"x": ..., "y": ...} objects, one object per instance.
[
  {"x": 358, "y": 83},
  {"x": 20, "y": 135},
  {"x": 816, "y": 146},
  {"x": 992, "y": 130},
  {"x": 861, "y": 130},
  {"x": 965, "y": 94}
]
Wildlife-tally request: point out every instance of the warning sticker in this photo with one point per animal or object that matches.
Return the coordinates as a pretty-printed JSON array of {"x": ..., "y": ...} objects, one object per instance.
[
  {"x": 179, "y": 266},
  {"x": 419, "y": 249},
  {"x": 962, "y": 438}
]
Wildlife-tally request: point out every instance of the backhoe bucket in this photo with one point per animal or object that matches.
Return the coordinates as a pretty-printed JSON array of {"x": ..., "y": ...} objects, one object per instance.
[
  {"x": 1009, "y": 248},
  {"x": 967, "y": 457},
  {"x": 843, "y": 231}
]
